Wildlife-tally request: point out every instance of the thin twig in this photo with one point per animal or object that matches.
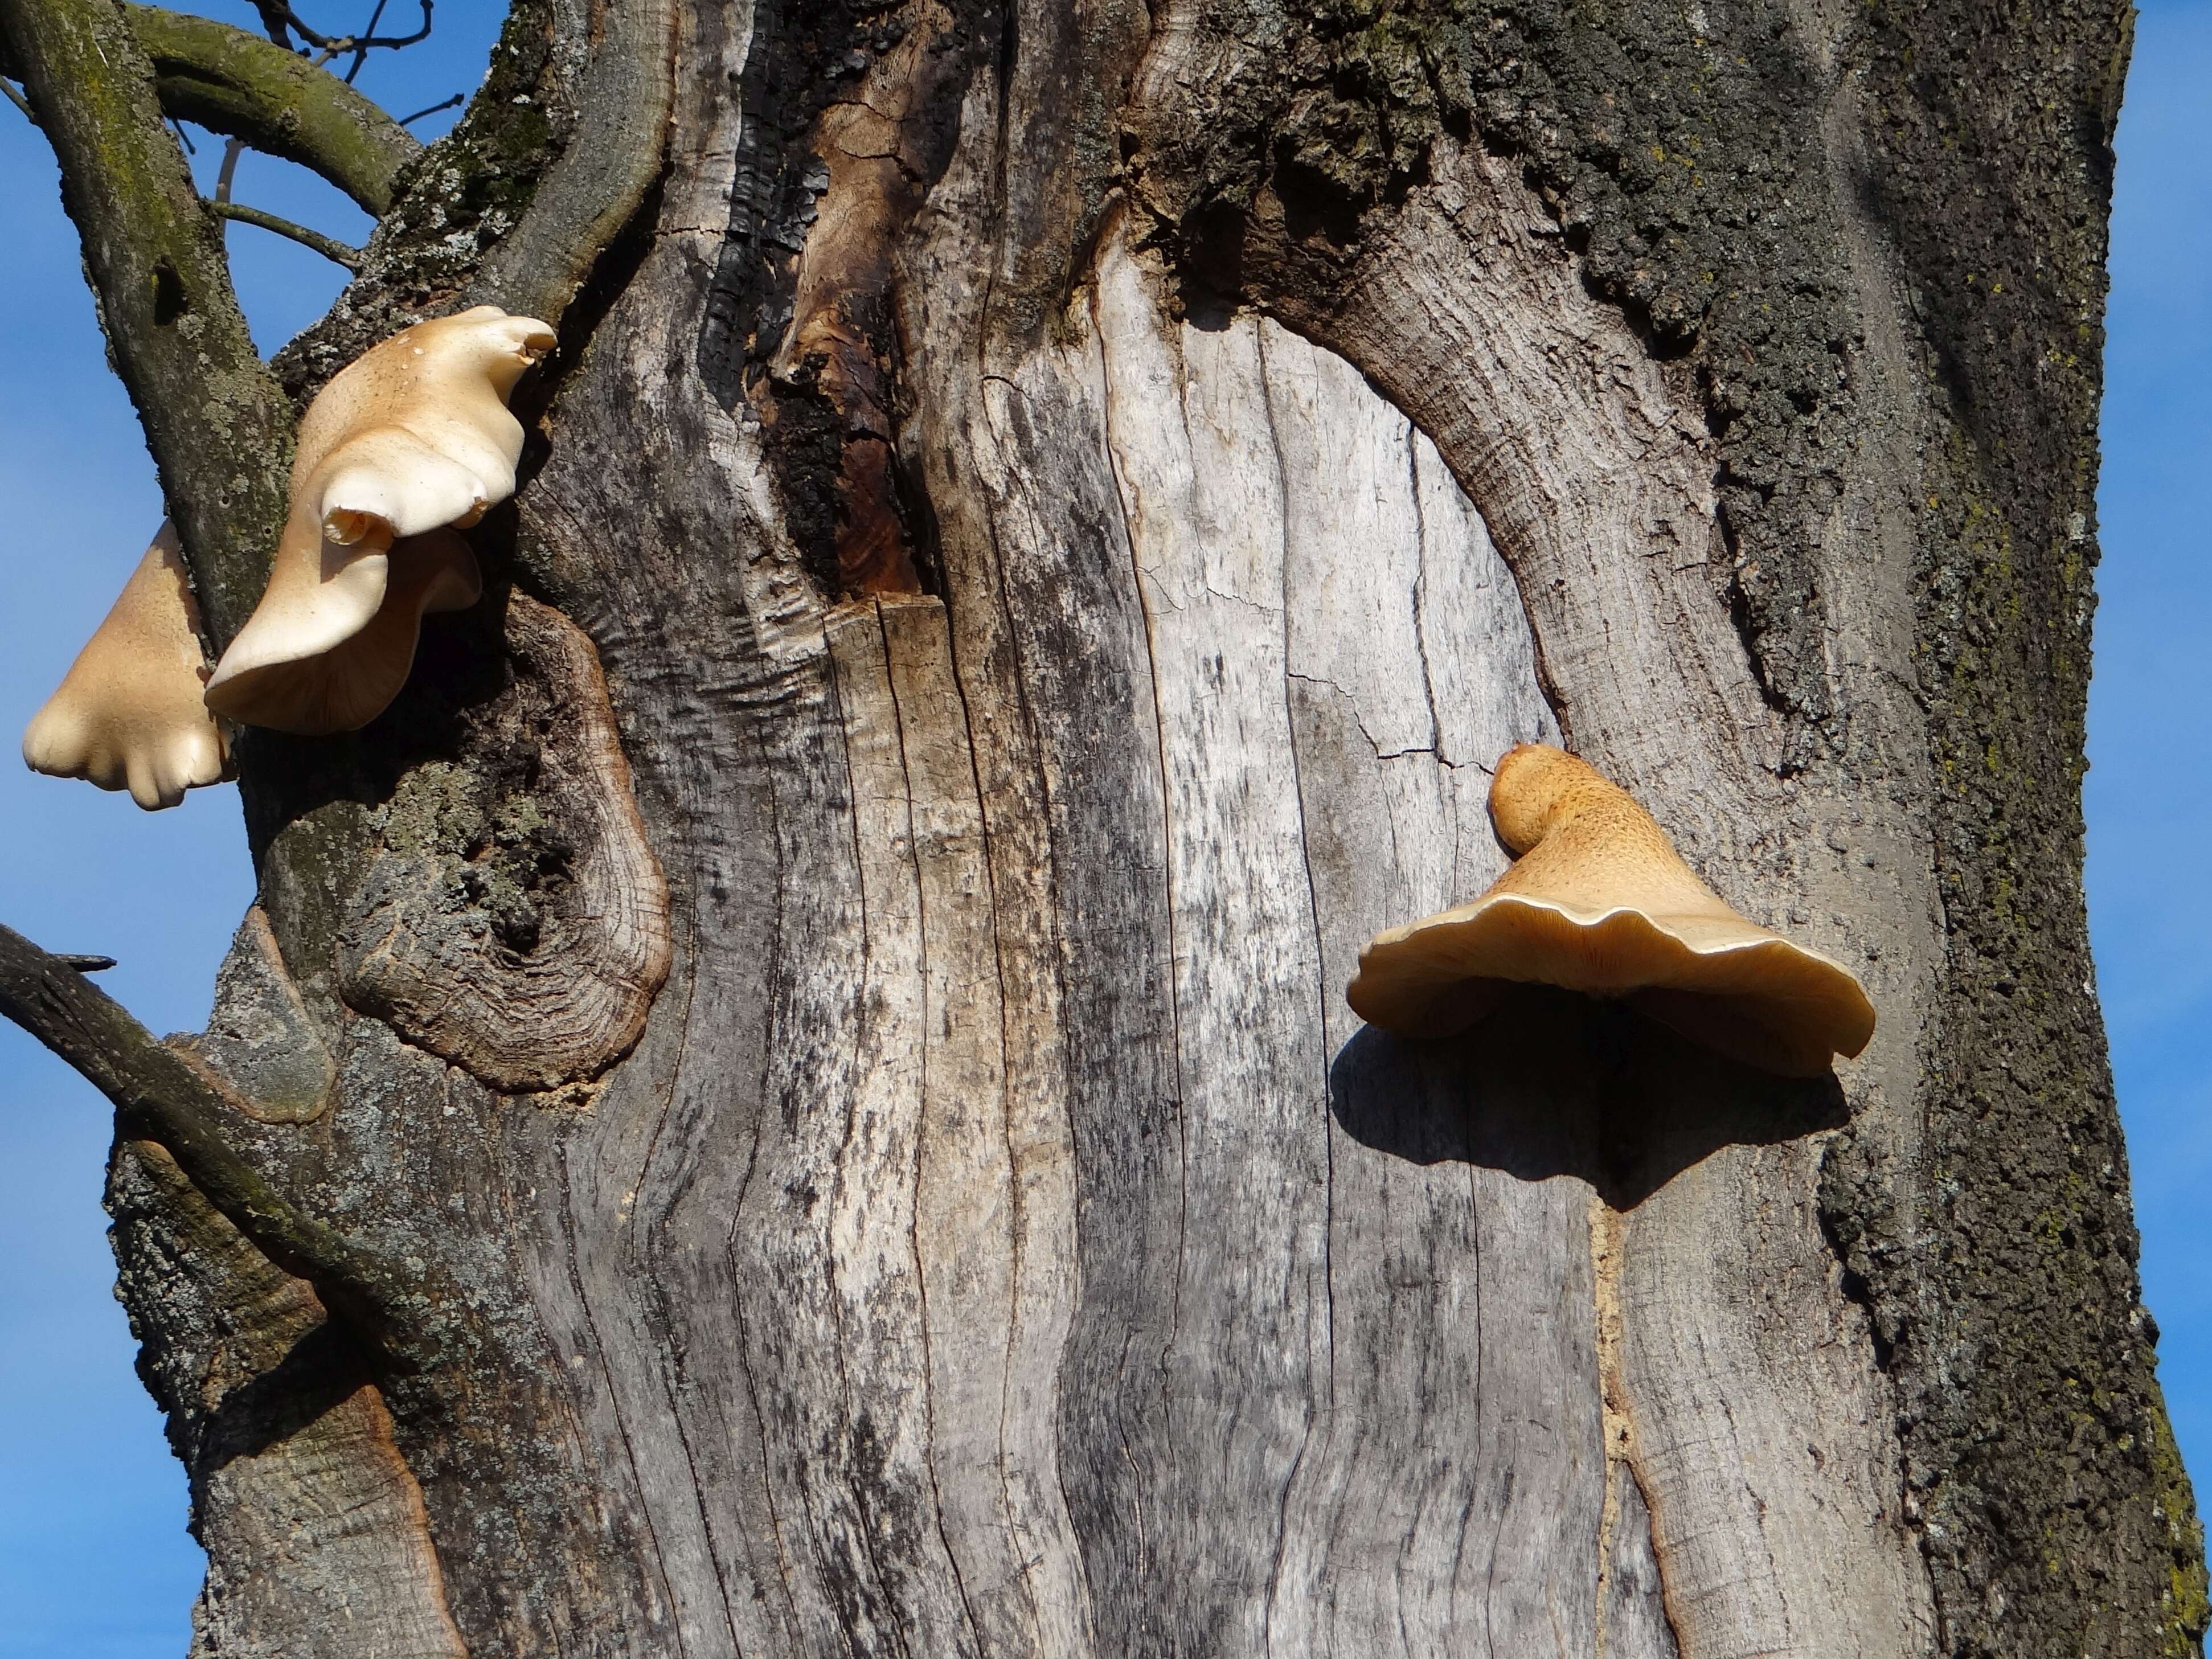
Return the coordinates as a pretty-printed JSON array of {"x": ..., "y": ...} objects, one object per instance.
[
  {"x": 225, "y": 175},
  {"x": 361, "y": 52},
  {"x": 329, "y": 247},
  {"x": 282, "y": 22},
  {"x": 24, "y": 104},
  {"x": 450, "y": 103}
]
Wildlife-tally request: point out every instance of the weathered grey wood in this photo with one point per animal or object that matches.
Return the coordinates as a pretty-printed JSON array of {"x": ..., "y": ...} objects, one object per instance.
[
  {"x": 867, "y": 1069},
  {"x": 1598, "y": 488},
  {"x": 314, "y": 1527}
]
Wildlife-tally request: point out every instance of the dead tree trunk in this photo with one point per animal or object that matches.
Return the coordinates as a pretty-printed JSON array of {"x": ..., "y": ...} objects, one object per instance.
[{"x": 793, "y": 1096}]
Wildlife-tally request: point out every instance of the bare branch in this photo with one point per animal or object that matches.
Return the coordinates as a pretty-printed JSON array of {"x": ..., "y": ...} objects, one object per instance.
[
  {"x": 329, "y": 247},
  {"x": 158, "y": 1097},
  {"x": 219, "y": 425},
  {"x": 278, "y": 102},
  {"x": 427, "y": 109},
  {"x": 18, "y": 102}
]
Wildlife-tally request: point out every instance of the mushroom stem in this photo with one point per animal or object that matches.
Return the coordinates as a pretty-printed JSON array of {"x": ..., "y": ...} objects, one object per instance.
[{"x": 158, "y": 1097}]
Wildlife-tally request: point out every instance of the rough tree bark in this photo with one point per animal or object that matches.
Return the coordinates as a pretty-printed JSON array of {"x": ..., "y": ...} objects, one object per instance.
[{"x": 792, "y": 1097}]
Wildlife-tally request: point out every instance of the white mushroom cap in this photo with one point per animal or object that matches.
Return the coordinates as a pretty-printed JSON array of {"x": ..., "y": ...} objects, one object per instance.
[
  {"x": 128, "y": 714},
  {"x": 341, "y": 684},
  {"x": 414, "y": 434},
  {"x": 1600, "y": 901},
  {"x": 412, "y": 437}
]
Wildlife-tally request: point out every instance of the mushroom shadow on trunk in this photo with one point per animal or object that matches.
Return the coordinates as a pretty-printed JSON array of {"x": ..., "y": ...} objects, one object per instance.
[{"x": 1552, "y": 1082}]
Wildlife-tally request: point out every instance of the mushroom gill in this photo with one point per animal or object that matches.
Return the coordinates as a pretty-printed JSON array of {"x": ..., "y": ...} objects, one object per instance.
[{"x": 1598, "y": 901}]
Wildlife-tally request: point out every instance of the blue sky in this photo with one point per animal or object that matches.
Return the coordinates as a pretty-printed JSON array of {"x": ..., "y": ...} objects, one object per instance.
[{"x": 94, "y": 1561}]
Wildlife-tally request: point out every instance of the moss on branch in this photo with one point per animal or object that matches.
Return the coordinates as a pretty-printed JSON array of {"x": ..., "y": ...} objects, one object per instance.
[
  {"x": 278, "y": 102},
  {"x": 219, "y": 425},
  {"x": 250, "y": 88}
]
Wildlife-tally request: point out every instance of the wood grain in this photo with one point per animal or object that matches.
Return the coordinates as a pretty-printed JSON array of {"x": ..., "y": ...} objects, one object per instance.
[{"x": 996, "y": 1236}]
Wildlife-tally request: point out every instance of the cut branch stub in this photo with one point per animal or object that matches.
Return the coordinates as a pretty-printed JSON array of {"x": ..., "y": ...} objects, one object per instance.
[
  {"x": 1599, "y": 901},
  {"x": 514, "y": 921}
]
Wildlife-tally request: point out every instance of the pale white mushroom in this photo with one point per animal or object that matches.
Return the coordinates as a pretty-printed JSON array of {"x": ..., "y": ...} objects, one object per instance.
[
  {"x": 1599, "y": 901},
  {"x": 348, "y": 683},
  {"x": 128, "y": 714},
  {"x": 412, "y": 437}
]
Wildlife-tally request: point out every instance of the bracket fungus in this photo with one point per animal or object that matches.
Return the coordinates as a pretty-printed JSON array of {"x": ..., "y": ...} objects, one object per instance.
[
  {"x": 128, "y": 715},
  {"x": 1598, "y": 901},
  {"x": 411, "y": 437},
  {"x": 344, "y": 685}
]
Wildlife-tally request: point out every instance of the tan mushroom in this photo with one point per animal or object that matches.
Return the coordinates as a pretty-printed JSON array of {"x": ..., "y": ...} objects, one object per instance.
[
  {"x": 1598, "y": 901},
  {"x": 411, "y": 437},
  {"x": 344, "y": 685},
  {"x": 128, "y": 714}
]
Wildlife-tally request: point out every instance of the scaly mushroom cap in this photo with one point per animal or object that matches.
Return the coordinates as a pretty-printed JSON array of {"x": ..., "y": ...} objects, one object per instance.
[
  {"x": 345, "y": 684},
  {"x": 1600, "y": 901},
  {"x": 412, "y": 437},
  {"x": 128, "y": 714}
]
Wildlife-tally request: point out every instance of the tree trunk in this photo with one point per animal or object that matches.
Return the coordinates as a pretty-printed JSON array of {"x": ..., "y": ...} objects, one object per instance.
[{"x": 827, "y": 988}]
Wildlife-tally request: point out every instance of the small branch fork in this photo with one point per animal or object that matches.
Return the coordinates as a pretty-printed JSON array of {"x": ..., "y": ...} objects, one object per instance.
[
  {"x": 271, "y": 97},
  {"x": 282, "y": 22},
  {"x": 158, "y": 1097}
]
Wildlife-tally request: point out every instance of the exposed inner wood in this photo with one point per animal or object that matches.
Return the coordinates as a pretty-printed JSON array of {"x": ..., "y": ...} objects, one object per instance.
[
  {"x": 841, "y": 346},
  {"x": 996, "y": 1236}
]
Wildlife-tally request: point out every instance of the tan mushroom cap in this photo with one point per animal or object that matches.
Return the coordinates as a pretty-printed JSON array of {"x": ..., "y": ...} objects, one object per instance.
[
  {"x": 344, "y": 685},
  {"x": 128, "y": 714},
  {"x": 1599, "y": 901},
  {"x": 412, "y": 437},
  {"x": 414, "y": 434}
]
